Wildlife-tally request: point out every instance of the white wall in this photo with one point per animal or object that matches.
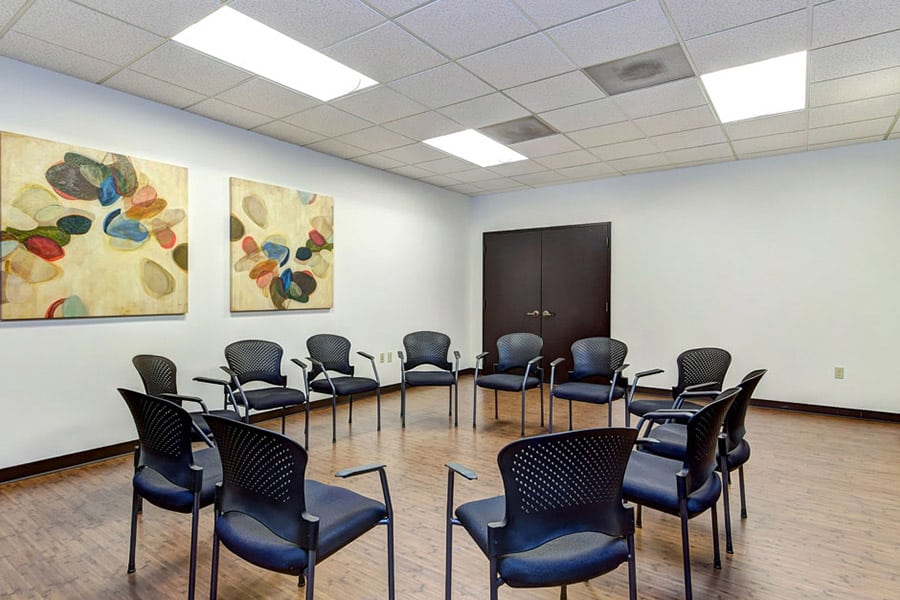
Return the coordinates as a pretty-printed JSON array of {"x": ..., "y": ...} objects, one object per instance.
[
  {"x": 792, "y": 263},
  {"x": 395, "y": 272}
]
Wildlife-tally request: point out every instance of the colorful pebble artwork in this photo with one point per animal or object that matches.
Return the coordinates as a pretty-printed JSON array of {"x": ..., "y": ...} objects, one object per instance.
[
  {"x": 282, "y": 248},
  {"x": 88, "y": 233}
]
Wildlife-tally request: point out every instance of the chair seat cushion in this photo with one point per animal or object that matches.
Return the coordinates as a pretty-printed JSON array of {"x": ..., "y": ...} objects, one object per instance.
[
  {"x": 344, "y": 386},
  {"x": 256, "y": 543},
  {"x": 642, "y": 407},
  {"x": 429, "y": 378},
  {"x": 738, "y": 456},
  {"x": 568, "y": 559},
  {"x": 650, "y": 481},
  {"x": 582, "y": 391},
  {"x": 507, "y": 382},
  {"x": 156, "y": 489},
  {"x": 672, "y": 441},
  {"x": 274, "y": 397}
]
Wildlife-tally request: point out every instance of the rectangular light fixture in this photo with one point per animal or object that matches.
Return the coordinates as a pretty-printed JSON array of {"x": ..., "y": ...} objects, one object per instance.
[
  {"x": 768, "y": 87},
  {"x": 476, "y": 148},
  {"x": 246, "y": 43}
]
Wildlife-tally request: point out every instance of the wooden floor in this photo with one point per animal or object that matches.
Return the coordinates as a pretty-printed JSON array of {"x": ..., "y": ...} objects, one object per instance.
[{"x": 823, "y": 499}]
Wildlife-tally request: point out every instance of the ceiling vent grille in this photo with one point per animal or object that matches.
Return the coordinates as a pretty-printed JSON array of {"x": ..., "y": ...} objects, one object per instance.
[{"x": 641, "y": 70}]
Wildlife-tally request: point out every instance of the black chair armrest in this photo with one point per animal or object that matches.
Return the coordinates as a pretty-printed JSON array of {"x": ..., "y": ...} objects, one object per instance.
[
  {"x": 359, "y": 470},
  {"x": 464, "y": 471},
  {"x": 212, "y": 381},
  {"x": 180, "y": 398},
  {"x": 622, "y": 368},
  {"x": 456, "y": 357},
  {"x": 374, "y": 366},
  {"x": 647, "y": 373},
  {"x": 300, "y": 364},
  {"x": 645, "y": 441},
  {"x": 385, "y": 490},
  {"x": 553, "y": 366}
]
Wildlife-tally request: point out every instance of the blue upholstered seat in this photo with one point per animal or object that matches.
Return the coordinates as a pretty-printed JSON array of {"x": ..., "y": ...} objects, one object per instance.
[
  {"x": 344, "y": 386},
  {"x": 652, "y": 479},
  {"x": 156, "y": 489},
  {"x": 507, "y": 382}
]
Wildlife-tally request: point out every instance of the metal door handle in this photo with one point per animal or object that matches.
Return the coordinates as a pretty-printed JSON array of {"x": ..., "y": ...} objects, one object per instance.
[
  {"x": 547, "y": 313},
  {"x": 534, "y": 313}
]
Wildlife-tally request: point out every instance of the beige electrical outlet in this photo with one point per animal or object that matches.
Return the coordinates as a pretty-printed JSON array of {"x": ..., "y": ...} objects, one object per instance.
[
  {"x": 839, "y": 372},
  {"x": 381, "y": 357},
  {"x": 390, "y": 356}
]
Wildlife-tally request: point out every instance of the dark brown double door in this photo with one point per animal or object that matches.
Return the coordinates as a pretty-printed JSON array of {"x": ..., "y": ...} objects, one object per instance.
[{"x": 553, "y": 282}]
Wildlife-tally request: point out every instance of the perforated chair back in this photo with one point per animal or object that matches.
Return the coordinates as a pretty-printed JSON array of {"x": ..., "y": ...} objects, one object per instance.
[
  {"x": 256, "y": 360},
  {"x": 563, "y": 483},
  {"x": 703, "y": 431},
  {"x": 516, "y": 349},
  {"x": 426, "y": 348},
  {"x": 158, "y": 374},
  {"x": 701, "y": 365},
  {"x": 734, "y": 420},
  {"x": 597, "y": 356},
  {"x": 262, "y": 476},
  {"x": 331, "y": 350},
  {"x": 164, "y": 434}
]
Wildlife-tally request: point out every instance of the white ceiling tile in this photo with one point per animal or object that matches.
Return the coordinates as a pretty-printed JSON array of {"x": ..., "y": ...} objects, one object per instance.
[
  {"x": 447, "y": 84},
  {"x": 229, "y": 113},
  {"x": 862, "y": 140},
  {"x": 162, "y": 17},
  {"x": 701, "y": 153},
  {"x": 265, "y": 97},
  {"x": 439, "y": 180},
  {"x": 385, "y": 53},
  {"x": 289, "y": 133},
  {"x": 606, "y": 134},
  {"x": 850, "y": 131},
  {"x": 189, "y": 69},
  {"x": 337, "y": 148},
  {"x": 414, "y": 153},
  {"x": 518, "y": 62},
  {"x": 628, "y": 149},
  {"x": 689, "y": 139},
  {"x": 316, "y": 23},
  {"x": 145, "y": 86},
  {"x": 8, "y": 9},
  {"x": 517, "y": 168},
  {"x": 591, "y": 171},
  {"x": 582, "y": 116},
  {"x": 846, "y": 20},
  {"x": 375, "y": 139},
  {"x": 479, "y": 174},
  {"x": 695, "y": 18},
  {"x": 487, "y": 110},
  {"x": 775, "y": 152},
  {"x": 499, "y": 185},
  {"x": 66, "y": 24},
  {"x": 770, "y": 142},
  {"x": 548, "y": 14},
  {"x": 749, "y": 128},
  {"x": 855, "y": 87},
  {"x": 556, "y": 92},
  {"x": 464, "y": 188},
  {"x": 393, "y": 8},
  {"x": 678, "y": 120},
  {"x": 751, "y": 43},
  {"x": 859, "y": 56},
  {"x": 663, "y": 98},
  {"x": 445, "y": 165},
  {"x": 424, "y": 126},
  {"x": 327, "y": 120},
  {"x": 567, "y": 159},
  {"x": 640, "y": 163},
  {"x": 378, "y": 161},
  {"x": 895, "y": 134},
  {"x": 462, "y": 27},
  {"x": 552, "y": 144},
  {"x": 858, "y": 110},
  {"x": 615, "y": 33},
  {"x": 379, "y": 104},
  {"x": 410, "y": 171},
  {"x": 543, "y": 178},
  {"x": 49, "y": 56}
]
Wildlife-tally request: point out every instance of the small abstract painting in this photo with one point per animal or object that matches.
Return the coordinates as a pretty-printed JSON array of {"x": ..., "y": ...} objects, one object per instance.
[
  {"x": 89, "y": 233},
  {"x": 282, "y": 248}
]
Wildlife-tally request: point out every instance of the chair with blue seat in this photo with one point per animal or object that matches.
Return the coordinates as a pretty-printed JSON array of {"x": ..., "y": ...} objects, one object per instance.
[
  {"x": 270, "y": 515},
  {"x": 518, "y": 369},
  {"x": 429, "y": 348},
  {"x": 595, "y": 357},
  {"x": 561, "y": 519},
  {"x": 167, "y": 472},
  {"x": 689, "y": 486},
  {"x": 329, "y": 354}
]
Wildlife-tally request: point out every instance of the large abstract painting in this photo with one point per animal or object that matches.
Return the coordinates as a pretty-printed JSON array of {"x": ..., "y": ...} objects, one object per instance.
[
  {"x": 282, "y": 248},
  {"x": 89, "y": 233}
]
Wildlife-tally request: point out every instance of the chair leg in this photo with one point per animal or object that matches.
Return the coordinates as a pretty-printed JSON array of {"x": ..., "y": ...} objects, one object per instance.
[
  {"x": 310, "y": 574},
  {"x": 450, "y": 401},
  {"x": 390, "y": 558},
  {"x": 523, "y": 415},
  {"x": 378, "y": 406},
  {"x": 637, "y": 520},
  {"x": 306, "y": 427},
  {"x": 743, "y": 495},
  {"x": 350, "y": 414},
  {"x": 728, "y": 546},
  {"x": 496, "y": 413},
  {"x": 570, "y": 415},
  {"x": 632, "y": 570},
  {"x": 402, "y": 405},
  {"x": 135, "y": 504},
  {"x": 195, "y": 522},
  {"x": 283, "y": 417},
  {"x": 542, "y": 404},
  {"x": 563, "y": 595},
  {"x": 214, "y": 575},
  {"x": 333, "y": 418},
  {"x": 717, "y": 559},
  {"x": 448, "y": 561},
  {"x": 686, "y": 551},
  {"x": 474, "y": 400},
  {"x": 609, "y": 414},
  {"x": 456, "y": 404},
  {"x": 550, "y": 419},
  {"x": 495, "y": 582}
]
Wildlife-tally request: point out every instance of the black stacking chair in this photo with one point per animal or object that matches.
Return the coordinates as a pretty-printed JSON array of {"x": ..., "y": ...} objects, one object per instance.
[
  {"x": 686, "y": 487},
  {"x": 429, "y": 348},
  {"x": 593, "y": 357},
  {"x": 259, "y": 362},
  {"x": 270, "y": 515},
  {"x": 561, "y": 519},
  {"x": 518, "y": 369},
  {"x": 671, "y": 442},
  {"x": 701, "y": 373},
  {"x": 167, "y": 473},
  {"x": 159, "y": 376},
  {"x": 328, "y": 352}
]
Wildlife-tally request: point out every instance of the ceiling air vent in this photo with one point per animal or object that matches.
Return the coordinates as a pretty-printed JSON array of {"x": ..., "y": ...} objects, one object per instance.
[
  {"x": 519, "y": 130},
  {"x": 641, "y": 70}
]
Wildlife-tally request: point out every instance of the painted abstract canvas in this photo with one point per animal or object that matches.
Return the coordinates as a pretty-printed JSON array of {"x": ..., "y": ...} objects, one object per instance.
[
  {"x": 282, "y": 248},
  {"x": 89, "y": 233}
]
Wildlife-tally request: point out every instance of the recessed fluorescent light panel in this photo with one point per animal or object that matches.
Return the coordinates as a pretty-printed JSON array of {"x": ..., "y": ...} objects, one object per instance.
[
  {"x": 767, "y": 87},
  {"x": 246, "y": 43},
  {"x": 476, "y": 148}
]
